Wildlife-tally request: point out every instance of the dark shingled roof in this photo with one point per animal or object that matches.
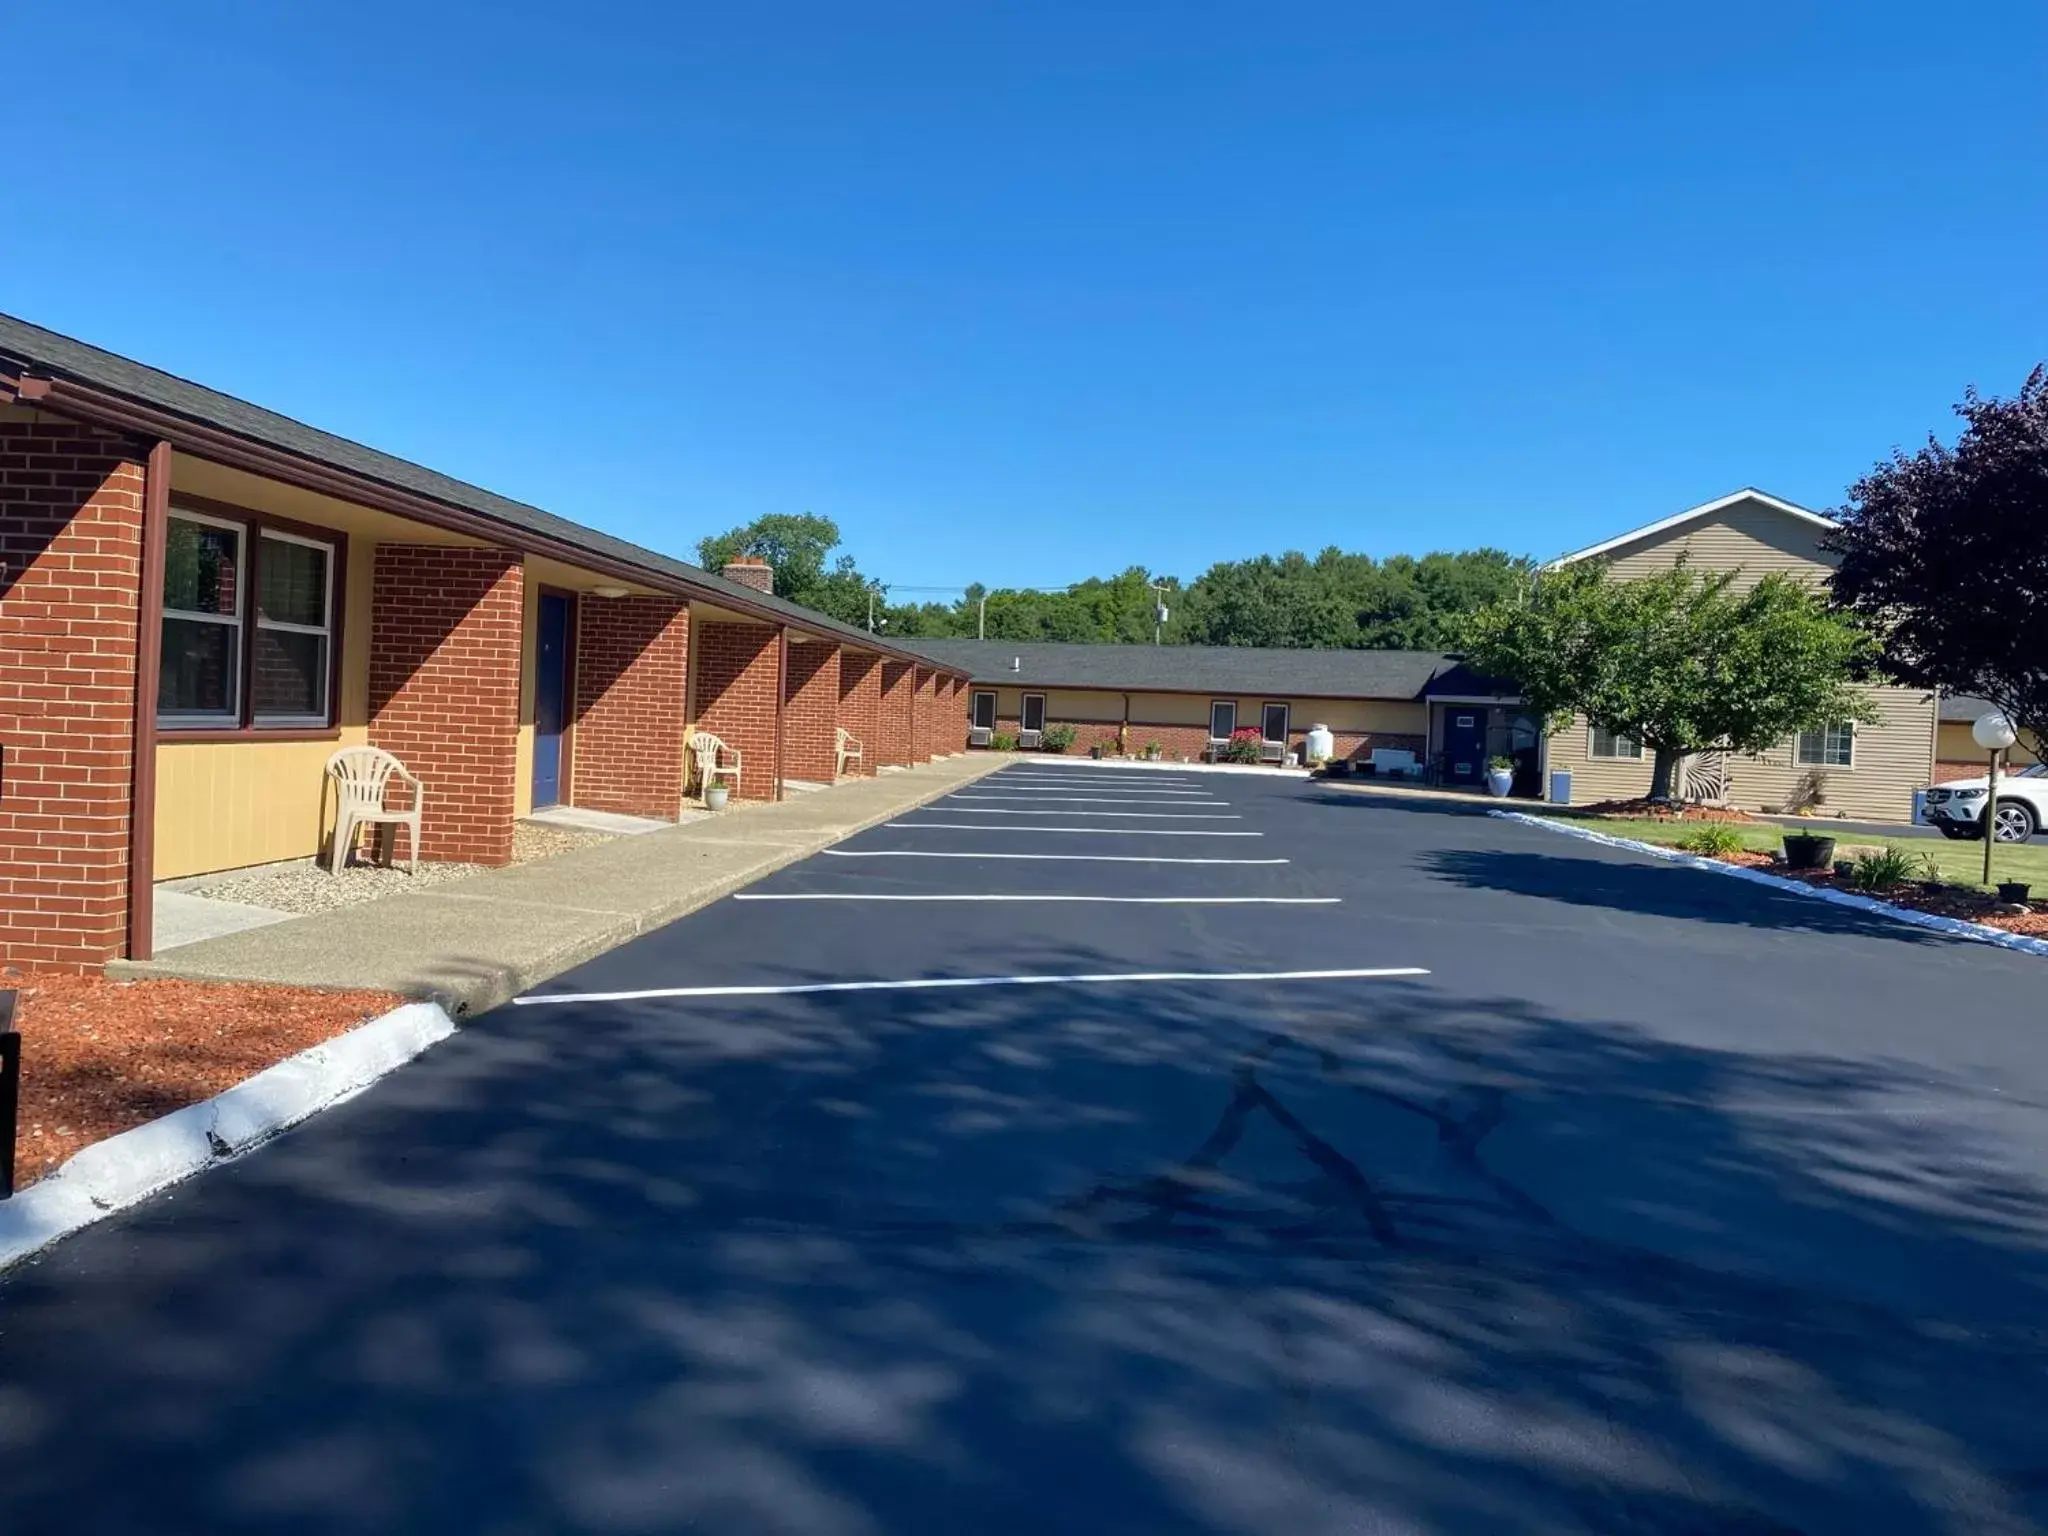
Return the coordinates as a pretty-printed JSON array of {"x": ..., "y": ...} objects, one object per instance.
[
  {"x": 1961, "y": 707},
  {"x": 47, "y": 352},
  {"x": 1221, "y": 669}
]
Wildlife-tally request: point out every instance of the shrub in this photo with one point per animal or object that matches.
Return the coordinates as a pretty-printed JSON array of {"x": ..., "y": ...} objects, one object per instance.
[
  {"x": 1501, "y": 764},
  {"x": 1056, "y": 738},
  {"x": 1002, "y": 741},
  {"x": 1716, "y": 839},
  {"x": 1894, "y": 866},
  {"x": 1244, "y": 745}
]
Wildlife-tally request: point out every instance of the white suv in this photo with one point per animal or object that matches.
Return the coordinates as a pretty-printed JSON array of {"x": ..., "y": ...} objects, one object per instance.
[{"x": 1958, "y": 808}]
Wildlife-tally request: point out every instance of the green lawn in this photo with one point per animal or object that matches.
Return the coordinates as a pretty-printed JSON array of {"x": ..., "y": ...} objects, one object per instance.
[{"x": 1961, "y": 863}]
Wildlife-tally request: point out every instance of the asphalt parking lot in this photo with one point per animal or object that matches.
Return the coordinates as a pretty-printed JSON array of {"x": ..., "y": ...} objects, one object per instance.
[{"x": 1294, "y": 1161}]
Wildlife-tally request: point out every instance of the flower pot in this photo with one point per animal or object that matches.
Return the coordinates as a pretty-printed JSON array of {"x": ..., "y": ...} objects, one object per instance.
[
  {"x": 1806, "y": 850},
  {"x": 1096, "y": 753},
  {"x": 1499, "y": 781},
  {"x": 716, "y": 796},
  {"x": 2013, "y": 890}
]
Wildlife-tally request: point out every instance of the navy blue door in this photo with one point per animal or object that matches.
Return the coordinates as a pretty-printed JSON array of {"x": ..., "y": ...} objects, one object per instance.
[
  {"x": 1464, "y": 745},
  {"x": 550, "y": 698}
]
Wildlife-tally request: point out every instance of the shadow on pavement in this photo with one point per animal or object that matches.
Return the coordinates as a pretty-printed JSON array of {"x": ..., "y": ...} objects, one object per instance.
[{"x": 1049, "y": 1260}]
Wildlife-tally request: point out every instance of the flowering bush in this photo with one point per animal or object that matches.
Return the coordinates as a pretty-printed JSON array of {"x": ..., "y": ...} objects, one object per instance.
[{"x": 1244, "y": 745}]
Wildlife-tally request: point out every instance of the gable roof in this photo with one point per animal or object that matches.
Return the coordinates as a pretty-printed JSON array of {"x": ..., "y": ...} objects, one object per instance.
[
  {"x": 1697, "y": 514},
  {"x": 75, "y": 378},
  {"x": 1223, "y": 670}
]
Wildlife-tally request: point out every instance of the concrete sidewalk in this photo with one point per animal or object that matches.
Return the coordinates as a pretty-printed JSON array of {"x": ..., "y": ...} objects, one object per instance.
[{"x": 471, "y": 944}]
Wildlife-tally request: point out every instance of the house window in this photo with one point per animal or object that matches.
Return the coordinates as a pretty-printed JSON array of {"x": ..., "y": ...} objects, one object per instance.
[
  {"x": 1834, "y": 747},
  {"x": 1273, "y": 724},
  {"x": 1606, "y": 744},
  {"x": 984, "y": 710},
  {"x": 1222, "y": 719},
  {"x": 248, "y": 626},
  {"x": 1032, "y": 715}
]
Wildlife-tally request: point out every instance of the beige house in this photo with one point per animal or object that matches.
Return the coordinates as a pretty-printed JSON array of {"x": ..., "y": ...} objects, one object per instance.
[{"x": 1866, "y": 770}]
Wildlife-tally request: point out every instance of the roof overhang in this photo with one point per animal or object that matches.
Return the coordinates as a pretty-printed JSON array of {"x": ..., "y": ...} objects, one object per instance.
[
  {"x": 1694, "y": 514},
  {"x": 100, "y": 407}
]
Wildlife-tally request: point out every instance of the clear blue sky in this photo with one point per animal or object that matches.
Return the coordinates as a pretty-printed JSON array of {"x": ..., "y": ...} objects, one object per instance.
[{"x": 1027, "y": 292}]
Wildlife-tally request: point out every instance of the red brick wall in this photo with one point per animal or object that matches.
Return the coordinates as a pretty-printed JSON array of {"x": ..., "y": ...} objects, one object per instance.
[
  {"x": 860, "y": 705},
  {"x": 736, "y": 702},
  {"x": 810, "y": 729},
  {"x": 956, "y": 729},
  {"x": 632, "y": 682},
  {"x": 899, "y": 691},
  {"x": 70, "y": 570},
  {"x": 1194, "y": 739},
  {"x": 445, "y": 629},
  {"x": 925, "y": 716}
]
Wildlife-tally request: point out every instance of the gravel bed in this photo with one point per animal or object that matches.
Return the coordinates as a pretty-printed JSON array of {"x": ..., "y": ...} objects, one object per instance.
[
  {"x": 304, "y": 887},
  {"x": 100, "y": 1057}
]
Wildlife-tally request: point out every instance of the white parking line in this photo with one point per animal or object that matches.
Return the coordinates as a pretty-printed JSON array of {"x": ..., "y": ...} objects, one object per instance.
[
  {"x": 978, "y": 826},
  {"x": 1057, "y": 858},
  {"x": 1140, "y": 901},
  {"x": 982, "y": 810},
  {"x": 948, "y": 983},
  {"x": 1093, "y": 799}
]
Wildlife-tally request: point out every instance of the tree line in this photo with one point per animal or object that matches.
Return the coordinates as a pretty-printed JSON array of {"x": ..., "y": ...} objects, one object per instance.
[{"x": 1332, "y": 600}]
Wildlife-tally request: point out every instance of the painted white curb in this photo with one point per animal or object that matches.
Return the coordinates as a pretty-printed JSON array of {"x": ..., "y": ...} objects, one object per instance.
[
  {"x": 112, "y": 1174},
  {"x": 1981, "y": 932}
]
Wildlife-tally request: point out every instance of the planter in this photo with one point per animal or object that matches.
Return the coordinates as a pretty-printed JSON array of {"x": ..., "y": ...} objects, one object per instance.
[
  {"x": 716, "y": 797},
  {"x": 1096, "y": 753},
  {"x": 2014, "y": 891},
  {"x": 1499, "y": 781},
  {"x": 1805, "y": 850}
]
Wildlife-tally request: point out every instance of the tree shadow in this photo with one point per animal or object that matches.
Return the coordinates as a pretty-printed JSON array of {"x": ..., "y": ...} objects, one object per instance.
[
  {"x": 1632, "y": 883},
  {"x": 1079, "y": 1260}
]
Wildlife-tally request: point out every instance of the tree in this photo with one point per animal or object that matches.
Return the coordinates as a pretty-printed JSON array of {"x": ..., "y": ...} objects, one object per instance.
[
  {"x": 794, "y": 545},
  {"x": 1679, "y": 661},
  {"x": 1945, "y": 554}
]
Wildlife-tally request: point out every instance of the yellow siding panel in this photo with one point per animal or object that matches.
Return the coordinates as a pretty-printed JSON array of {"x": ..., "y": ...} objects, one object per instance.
[
  {"x": 1169, "y": 709},
  {"x": 1749, "y": 536},
  {"x": 1959, "y": 746},
  {"x": 227, "y": 805}
]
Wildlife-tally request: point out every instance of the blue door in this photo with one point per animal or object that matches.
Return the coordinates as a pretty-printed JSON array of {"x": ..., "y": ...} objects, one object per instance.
[
  {"x": 550, "y": 698},
  {"x": 1464, "y": 745}
]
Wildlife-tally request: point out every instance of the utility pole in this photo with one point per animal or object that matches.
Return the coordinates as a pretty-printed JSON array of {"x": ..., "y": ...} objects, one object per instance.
[
  {"x": 981, "y": 624},
  {"x": 1159, "y": 613},
  {"x": 871, "y": 612}
]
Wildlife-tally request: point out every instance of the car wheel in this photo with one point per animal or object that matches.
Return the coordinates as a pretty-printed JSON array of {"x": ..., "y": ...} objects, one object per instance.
[{"x": 2015, "y": 822}]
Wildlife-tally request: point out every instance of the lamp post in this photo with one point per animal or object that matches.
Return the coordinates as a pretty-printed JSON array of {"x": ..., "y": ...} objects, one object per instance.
[{"x": 1994, "y": 733}]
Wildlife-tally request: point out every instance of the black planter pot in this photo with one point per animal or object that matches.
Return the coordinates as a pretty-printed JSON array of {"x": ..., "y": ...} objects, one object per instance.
[
  {"x": 1804, "y": 850},
  {"x": 2013, "y": 890}
]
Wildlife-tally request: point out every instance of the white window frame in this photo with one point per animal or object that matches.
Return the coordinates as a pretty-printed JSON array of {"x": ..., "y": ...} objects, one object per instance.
[
  {"x": 1286, "y": 721},
  {"x": 206, "y": 719},
  {"x": 321, "y": 716},
  {"x": 1216, "y": 704},
  {"x": 1594, "y": 753},
  {"x": 1801, "y": 760},
  {"x": 1024, "y": 712},
  {"x": 974, "y": 710}
]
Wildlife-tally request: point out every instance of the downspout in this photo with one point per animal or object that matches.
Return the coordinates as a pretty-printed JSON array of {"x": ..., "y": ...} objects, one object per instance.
[
  {"x": 781, "y": 706},
  {"x": 149, "y": 641}
]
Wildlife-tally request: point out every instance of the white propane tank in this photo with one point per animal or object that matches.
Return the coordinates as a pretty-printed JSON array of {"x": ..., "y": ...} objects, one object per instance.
[{"x": 1322, "y": 746}]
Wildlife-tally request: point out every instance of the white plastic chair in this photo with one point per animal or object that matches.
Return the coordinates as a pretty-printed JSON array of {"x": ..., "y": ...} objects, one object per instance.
[
  {"x": 849, "y": 750},
  {"x": 715, "y": 760},
  {"x": 361, "y": 777}
]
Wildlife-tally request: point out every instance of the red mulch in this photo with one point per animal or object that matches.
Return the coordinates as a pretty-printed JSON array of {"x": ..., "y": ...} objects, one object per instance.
[
  {"x": 99, "y": 1056},
  {"x": 1665, "y": 810},
  {"x": 1943, "y": 901}
]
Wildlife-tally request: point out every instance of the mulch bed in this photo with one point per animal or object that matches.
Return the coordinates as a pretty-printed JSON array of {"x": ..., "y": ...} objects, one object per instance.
[
  {"x": 99, "y": 1057},
  {"x": 1665, "y": 810},
  {"x": 1942, "y": 901}
]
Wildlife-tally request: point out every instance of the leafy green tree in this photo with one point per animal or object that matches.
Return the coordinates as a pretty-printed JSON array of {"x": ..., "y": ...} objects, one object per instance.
[
  {"x": 1679, "y": 661},
  {"x": 795, "y": 545}
]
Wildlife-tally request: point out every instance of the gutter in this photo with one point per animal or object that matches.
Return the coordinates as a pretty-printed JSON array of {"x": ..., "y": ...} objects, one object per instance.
[{"x": 86, "y": 403}]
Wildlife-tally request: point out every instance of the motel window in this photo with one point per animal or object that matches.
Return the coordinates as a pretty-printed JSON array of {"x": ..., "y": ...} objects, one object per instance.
[
  {"x": 1222, "y": 719},
  {"x": 1606, "y": 744},
  {"x": 248, "y": 626},
  {"x": 1834, "y": 747},
  {"x": 1273, "y": 723},
  {"x": 1032, "y": 716},
  {"x": 984, "y": 710}
]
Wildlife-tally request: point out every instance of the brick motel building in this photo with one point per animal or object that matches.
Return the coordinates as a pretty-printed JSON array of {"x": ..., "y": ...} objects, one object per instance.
[{"x": 201, "y": 600}]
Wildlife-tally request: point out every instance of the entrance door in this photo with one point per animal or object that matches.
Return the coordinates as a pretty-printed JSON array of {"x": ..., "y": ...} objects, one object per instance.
[
  {"x": 984, "y": 710},
  {"x": 1465, "y": 745},
  {"x": 1273, "y": 727},
  {"x": 1032, "y": 718},
  {"x": 550, "y": 696}
]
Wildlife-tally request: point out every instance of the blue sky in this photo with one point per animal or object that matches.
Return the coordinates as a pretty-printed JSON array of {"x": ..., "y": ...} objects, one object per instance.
[{"x": 1022, "y": 293}]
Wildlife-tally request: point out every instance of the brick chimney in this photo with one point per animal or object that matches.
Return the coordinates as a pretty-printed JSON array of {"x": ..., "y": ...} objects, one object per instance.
[{"x": 750, "y": 571}]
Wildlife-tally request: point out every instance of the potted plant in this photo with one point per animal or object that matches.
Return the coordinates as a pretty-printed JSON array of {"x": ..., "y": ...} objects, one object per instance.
[
  {"x": 2014, "y": 891},
  {"x": 1153, "y": 751},
  {"x": 1808, "y": 850},
  {"x": 1500, "y": 776},
  {"x": 1096, "y": 751},
  {"x": 716, "y": 795}
]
